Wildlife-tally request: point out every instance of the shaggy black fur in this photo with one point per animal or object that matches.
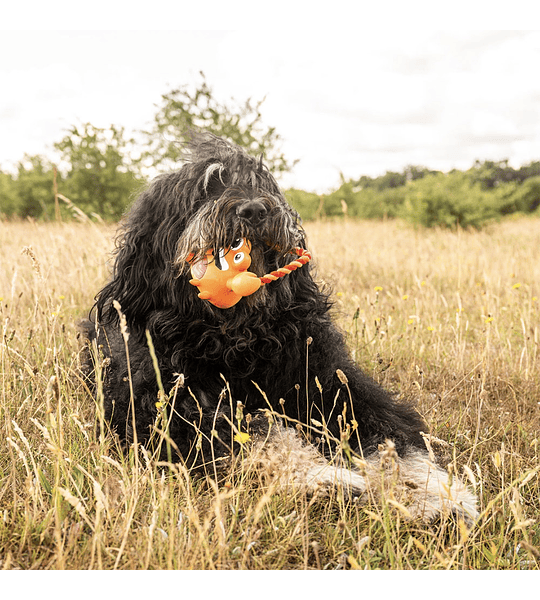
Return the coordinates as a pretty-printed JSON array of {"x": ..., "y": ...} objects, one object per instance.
[{"x": 278, "y": 341}]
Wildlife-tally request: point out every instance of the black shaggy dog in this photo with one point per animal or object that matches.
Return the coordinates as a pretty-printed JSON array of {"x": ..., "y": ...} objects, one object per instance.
[{"x": 213, "y": 379}]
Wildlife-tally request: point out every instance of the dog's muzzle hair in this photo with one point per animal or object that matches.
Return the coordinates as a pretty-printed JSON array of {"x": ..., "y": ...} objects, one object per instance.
[{"x": 264, "y": 219}]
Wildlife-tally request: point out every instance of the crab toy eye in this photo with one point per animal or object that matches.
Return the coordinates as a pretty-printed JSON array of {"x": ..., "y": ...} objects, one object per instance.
[
  {"x": 237, "y": 244},
  {"x": 239, "y": 257}
]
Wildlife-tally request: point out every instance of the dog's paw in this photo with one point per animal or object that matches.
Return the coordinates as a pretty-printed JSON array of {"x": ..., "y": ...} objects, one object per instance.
[{"x": 325, "y": 477}]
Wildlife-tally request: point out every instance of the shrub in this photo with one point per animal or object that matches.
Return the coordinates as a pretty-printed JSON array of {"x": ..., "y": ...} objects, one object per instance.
[
  {"x": 450, "y": 200},
  {"x": 306, "y": 203},
  {"x": 526, "y": 198},
  {"x": 372, "y": 204}
]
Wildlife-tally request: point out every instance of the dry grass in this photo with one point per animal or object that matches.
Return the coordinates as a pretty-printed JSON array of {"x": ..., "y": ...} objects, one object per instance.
[{"x": 448, "y": 320}]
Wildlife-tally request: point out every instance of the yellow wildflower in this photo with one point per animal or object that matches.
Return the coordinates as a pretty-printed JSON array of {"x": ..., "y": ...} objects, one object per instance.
[{"x": 242, "y": 437}]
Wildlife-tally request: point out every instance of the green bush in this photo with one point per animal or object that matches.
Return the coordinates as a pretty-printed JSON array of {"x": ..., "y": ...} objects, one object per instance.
[
  {"x": 8, "y": 196},
  {"x": 372, "y": 204},
  {"x": 29, "y": 193},
  {"x": 305, "y": 203},
  {"x": 450, "y": 200},
  {"x": 367, "y": 203},
  {"x": 526, "y": 197},
  {"x": 340, "y": 202}
]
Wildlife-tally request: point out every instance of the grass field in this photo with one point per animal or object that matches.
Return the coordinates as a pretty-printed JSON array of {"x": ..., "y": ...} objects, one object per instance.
[{"x": 448, "y": 320}]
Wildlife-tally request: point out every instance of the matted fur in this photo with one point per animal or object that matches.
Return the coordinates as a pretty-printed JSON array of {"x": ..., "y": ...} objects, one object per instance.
[{"x": 276, "y": 350}]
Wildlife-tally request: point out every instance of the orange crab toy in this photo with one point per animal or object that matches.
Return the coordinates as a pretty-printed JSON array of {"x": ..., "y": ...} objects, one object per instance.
[{"x": 223, "y": 278}]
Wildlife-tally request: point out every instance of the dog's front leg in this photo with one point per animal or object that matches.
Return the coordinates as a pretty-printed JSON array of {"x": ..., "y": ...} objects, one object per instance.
[{"x": 285, "y": 459}]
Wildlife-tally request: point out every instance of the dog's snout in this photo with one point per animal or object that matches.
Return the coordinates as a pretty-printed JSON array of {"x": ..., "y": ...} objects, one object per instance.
[{"x": 253, "y": 211}]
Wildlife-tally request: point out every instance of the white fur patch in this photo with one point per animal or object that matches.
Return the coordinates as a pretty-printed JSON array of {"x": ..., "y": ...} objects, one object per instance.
[{"x": 414, "y": 484}]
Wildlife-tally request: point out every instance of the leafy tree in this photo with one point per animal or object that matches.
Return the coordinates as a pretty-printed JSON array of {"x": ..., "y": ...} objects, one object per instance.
[
  {"x": 183, "y": 110},
  {"x": 493, "y": 173},
  {"x": 526, "y": 197},
  {"x": 33, "y": 187},
  {"x": 449, "y": 200},
  {"x": 392, "y": 179},
  {"x": 364, "y": 182},
  {"x": 9, "y": 201},
  {"x": 101, "y": 175},
  {"x": 373, "y": 204},
  {"x": 412, "y": 172},
  {"x": 530, "y": 170},
  {"x": 306, "y": 203},
  {"x": 340, "y": 202}
]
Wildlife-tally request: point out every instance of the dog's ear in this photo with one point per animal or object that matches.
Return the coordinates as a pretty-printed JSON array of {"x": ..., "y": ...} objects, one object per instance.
[
  {"x": 144, "y": 266},
  {"x": 213, "y": 182},
  {"x": 134, "y": 284}
]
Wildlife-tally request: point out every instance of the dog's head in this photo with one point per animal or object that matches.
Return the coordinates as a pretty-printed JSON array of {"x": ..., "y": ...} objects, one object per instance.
[
  {"x": 235, "y": 198},
  {"x": 220, "y": 195}
]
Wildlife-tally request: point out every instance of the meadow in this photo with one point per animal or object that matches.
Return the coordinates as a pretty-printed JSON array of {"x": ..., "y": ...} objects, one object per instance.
[{"x": 448, "y": 320}]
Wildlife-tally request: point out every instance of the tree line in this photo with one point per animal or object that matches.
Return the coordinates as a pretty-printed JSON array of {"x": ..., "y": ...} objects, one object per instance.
[
  {"x": 469, "y": 199},
  {"x": 100, "y": 170}
]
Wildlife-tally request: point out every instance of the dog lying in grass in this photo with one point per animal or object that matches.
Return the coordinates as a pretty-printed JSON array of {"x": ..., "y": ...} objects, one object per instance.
[{"x": 212, "y": 336}]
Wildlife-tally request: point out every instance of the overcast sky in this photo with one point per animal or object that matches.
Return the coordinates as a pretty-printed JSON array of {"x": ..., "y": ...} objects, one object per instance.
[{"x": 356, "y": 103}]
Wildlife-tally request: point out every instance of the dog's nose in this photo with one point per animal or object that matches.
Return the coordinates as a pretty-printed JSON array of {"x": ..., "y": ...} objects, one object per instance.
[{"x": 253, "y": 211}]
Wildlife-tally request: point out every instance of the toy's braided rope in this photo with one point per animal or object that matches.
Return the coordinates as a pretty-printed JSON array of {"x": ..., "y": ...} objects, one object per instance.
[{"x": 303, "y": 257}]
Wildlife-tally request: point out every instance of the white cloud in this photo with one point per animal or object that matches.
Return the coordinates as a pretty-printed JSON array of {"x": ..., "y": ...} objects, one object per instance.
[{"x": 357, "y": 102}]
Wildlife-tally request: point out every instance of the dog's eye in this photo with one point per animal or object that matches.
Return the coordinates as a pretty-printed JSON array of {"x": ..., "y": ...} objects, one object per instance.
[
  {"x": 237, "y": 244},
  {"x": 238, "y": 257}
]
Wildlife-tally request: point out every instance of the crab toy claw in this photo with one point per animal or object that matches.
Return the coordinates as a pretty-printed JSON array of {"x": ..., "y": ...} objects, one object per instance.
[
  {"x": 244, "y": 284},
  {"x": 223, "y": 278}
]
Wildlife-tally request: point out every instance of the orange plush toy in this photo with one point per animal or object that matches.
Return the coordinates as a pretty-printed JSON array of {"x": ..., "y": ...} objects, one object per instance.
[{"x": 224, "y": 279}]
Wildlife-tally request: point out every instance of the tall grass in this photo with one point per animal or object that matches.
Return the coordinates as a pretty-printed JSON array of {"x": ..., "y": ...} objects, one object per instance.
[{"x": 448, "y": 320}]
